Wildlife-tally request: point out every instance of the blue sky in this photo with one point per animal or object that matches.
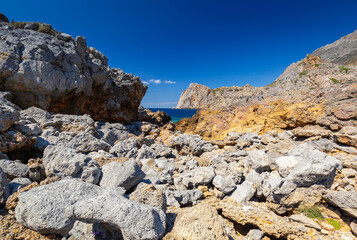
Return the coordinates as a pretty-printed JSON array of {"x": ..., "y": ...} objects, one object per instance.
[{"x": 215, "y": 43}]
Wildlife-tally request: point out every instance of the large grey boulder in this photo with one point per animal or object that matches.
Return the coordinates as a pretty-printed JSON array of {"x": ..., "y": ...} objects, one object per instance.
[
  {"x": 286, "y": 164},
  {"x": 14, "y": 169},
  {"x": 122, "y": 148},
  {"x": 112, "y": 132},
  {"x": 9, "y": 113},
  {"x": 315, "y": 167},
  {"x": 85, "y": 142},
  {"x": 145, "y": 152},
  {"x": 183, "y": 197},
  {"x": 197, "y": 176},
  {"x": 243, "y": 193},
  {"x": 4, "y": 188},
  {"x": 66, "y": 76},
  {"x": 257, "y": 160},
  {"x": 149, "y": 195},
  {"x": 65, "y": 160},
  {"x": 35, "y": 115},
  {"x": 134, "y": 220},
  {"x": 224, "y": 184},
  {"x": 347, "y": 201},
  {"x": 53, "y": 209},
  {"x": 161, "y": 150},
  {"x": 188, "y": 143},
  {"x": 125, "y": 175}
]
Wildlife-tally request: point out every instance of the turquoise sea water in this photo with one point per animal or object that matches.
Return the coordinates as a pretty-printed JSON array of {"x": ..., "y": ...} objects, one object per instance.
[{"x": 176, "y": 114}]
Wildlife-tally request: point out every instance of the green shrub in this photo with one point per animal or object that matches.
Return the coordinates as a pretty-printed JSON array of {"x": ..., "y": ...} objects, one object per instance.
[
  {"x": 47, "y": 29},
  {"x": 18, "y": 25},
  {"x": 311, "y": 212},
  {"x": 336, "y": 224},
  {"x": 334, "y": 80},
  {"x": 304, "y": 72},
  {"x": 344, "y": 68},
  {"x": 317, "y": 65}
]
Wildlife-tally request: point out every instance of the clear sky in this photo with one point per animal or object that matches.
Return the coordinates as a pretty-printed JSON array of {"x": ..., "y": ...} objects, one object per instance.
[{"x": 171, "y": 43}]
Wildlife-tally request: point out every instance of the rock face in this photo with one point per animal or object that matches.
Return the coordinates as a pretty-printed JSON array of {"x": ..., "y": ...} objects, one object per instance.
[
  {"x": 65, "y": 76},
  {"x": 318, "y": 90}
]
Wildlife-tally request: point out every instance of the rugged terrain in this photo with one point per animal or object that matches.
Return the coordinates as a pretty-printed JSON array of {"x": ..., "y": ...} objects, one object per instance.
[
  {"x": 79, "y": 176},
  {"x": 318, "y": 90}
]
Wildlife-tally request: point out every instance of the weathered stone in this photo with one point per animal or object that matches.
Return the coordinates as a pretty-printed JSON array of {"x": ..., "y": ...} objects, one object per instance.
[
  {"x": 17, "y": 183},
  {"x": 347, "y": 201},
  {"x": 9, "y": 113},
  {"x": 3, "y": 18},
  {"x": 68, "y": 161},
  {"x": 182, "y": 197},
  {"x": 197, "y": 176},
  {"x": 243, "y": 193},
  {"x": 347, "y": 135},
  {"x": 224, "y": 184},
  {"x": 286, "y": 164},
  {"x": 308, "y": 222},
  {"x": 161, "y": 150},
  {"x": 255, "y": 234},
  {"x": 85, "y": 142},
  {"x": 132, "y": 219},
  {"x": 257, "y": 160},
  {"x": 148, "y": 194},
  {"x": 145, "y": 152},
  {"x": 125, "y": 175},
  {"x": 112, "y": 132},
  {"x": 14, "y": 169},
  {"x": 200, "y": 222},
  {"x": 74, "y": 79},
  {"x": 122, "y": 148},
  {"x": 4, "y": 188},
  {"x": 311, "y": 131}
]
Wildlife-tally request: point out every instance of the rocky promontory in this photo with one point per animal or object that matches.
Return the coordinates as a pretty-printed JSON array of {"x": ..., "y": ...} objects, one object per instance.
[{"x": 59, "y": 73}]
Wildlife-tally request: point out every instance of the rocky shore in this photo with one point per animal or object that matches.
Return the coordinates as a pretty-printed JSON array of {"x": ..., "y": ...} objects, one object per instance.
[{"x": 103, "y": 168}]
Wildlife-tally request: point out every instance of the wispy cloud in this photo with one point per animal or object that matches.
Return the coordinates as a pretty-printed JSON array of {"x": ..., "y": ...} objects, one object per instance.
[
  {"x": 156, "y": 81},
  {"x": 169, "y": 82}
]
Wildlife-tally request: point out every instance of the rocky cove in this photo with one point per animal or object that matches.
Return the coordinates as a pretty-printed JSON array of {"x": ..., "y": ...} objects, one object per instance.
[{"x": 80, "y": 159}]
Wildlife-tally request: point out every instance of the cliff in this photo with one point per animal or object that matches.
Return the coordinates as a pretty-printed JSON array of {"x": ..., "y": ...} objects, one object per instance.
[
  {"x": 325, "y": 83},
  {"x": 56, "y": 72}
]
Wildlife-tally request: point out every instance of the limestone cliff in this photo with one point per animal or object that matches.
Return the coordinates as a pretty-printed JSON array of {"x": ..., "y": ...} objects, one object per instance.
[
  {"x": 315, "y": 90},
  {"x": 56, "y": 72}
]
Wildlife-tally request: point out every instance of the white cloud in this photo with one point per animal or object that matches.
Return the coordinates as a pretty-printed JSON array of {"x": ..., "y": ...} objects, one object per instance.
[
  {"x": 170, "y": 82},
  {"x": 156, "y": 81},
  {"x": 145, "y": 82}
]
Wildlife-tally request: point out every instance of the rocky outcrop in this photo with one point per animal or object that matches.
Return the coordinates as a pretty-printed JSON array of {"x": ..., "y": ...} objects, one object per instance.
[
  {"x": 63, "y": 75},
  {"x": 318, "y": 90}
]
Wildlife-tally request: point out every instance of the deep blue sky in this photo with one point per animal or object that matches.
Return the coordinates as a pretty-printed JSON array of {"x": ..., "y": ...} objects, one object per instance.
[{"x": 215, "y": 43}]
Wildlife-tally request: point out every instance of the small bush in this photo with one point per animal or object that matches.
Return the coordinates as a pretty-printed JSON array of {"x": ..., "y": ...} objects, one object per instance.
[
  {"x": 317, "y": 65},
  {"x": 304, "y": 72},
  {"x": 334, "y": 80},
  {"x": 344, "y": 68},
  {"x": 18, "y": 25},
  {"x": 336, "y": 224},
  {"x": 47, "y": 29},
  {"x": 311, "y": 212}
]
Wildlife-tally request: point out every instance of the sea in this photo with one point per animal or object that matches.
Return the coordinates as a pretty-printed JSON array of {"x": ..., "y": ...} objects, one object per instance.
[{"x": 176, "y": 114}]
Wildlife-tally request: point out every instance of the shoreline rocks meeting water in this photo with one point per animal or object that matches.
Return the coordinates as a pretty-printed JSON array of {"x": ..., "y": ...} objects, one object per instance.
[{"x": 79, "y": 159}]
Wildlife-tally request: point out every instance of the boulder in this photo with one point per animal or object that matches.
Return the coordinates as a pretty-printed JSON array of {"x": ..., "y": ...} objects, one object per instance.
[
  {"x": 66, "y": 77},
  {"x": 14, "y": 169},
  {"x": 161, "y": 150},
  {"x": 126, "y": 175},
  {"x": 53, "y": 209},
  {"x": 243, "y": 193},
  {"x": 315, "y": 167},
  {"x": 122, "y": 148},
  {"x": 149, "y": 195},
  {"x": 85, "y": 142},
  {"x": 308, "y": 222},
  {"x": 257, "y": 160},
  {"x": 145, "y": 152},
  {"x": 286, "y": 164},
  {"x": 182, "y": 197},
  {"x": 17, "y": 183},
  {"x": 9, "y": 113},
  {"x": 132, "y": 219},
  {"x": 255, "y": 234},
  {"x": 200, "y": 222},
  {"x": 224, "y": 184},
  {"x": 311, "y": 131},
  {"x": 197, "y": 176},
  {"x": 112, "y": 132},
  {"x": 4, "y": 188},
  {"x": 68, "y": 161},
  {"x": 345, "y": 200}
]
